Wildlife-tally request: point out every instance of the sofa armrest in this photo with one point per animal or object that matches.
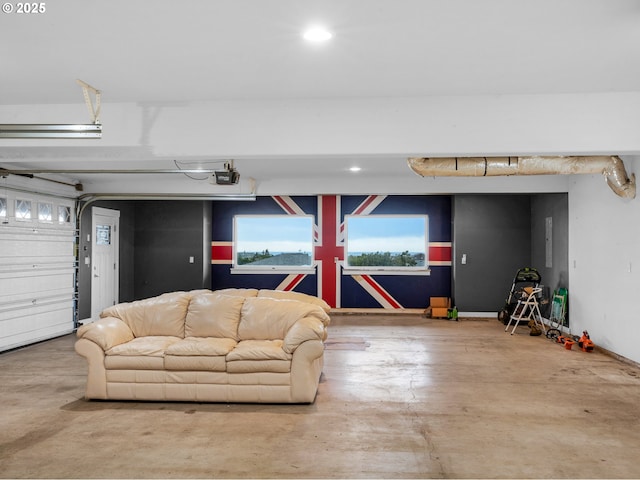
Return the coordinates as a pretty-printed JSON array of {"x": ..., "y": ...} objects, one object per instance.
[
  {"x": 97, "y": 375},
  {"x": 307, "y": 328},
  {"x": 106, "y": 332}
]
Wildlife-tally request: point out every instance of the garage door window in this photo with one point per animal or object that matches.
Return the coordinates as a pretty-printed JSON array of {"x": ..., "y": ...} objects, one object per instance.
[
  {"x": 64, "y": 214},
  {"x": 45, "y": 212},
  {"x": 23, "y": 210}
]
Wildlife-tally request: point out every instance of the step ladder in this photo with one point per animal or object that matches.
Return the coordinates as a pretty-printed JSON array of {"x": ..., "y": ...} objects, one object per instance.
[{"x": 526, "y": 310}]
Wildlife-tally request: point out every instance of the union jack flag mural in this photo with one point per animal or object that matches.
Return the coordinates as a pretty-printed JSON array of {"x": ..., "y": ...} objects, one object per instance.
[{"x": 359, "y": 290}]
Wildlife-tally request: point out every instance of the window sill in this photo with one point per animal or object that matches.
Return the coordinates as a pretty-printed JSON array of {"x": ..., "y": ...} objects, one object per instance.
[
  {"x": 273, "y": 270},
  {"x": 384, "y": 271}
]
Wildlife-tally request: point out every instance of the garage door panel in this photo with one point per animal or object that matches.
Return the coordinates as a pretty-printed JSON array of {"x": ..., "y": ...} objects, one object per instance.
[{"x": 37, "y": 273}]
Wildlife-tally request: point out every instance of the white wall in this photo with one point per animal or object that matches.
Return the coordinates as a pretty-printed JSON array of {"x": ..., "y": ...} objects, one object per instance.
[
  {"x": 434, "y": 126},
  {"x": 604, "y": 264}
]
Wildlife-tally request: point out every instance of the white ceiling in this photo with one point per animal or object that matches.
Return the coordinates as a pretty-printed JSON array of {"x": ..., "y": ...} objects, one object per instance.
[
  {"x": 162, "y": 50},
  {"x": 212, "y": 50}
]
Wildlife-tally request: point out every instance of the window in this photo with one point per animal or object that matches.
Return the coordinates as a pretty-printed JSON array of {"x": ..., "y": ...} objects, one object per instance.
[
  {"x": 23, "y": 209},
  {"x": 386, "y": 242},
  {"x": 3, "y": 207},
  {"x": 45, "y": 212},
  {"x": 64, "y": 214},
  {"x": 273, "y": 242},
  {"x": 103, "y": 234}
]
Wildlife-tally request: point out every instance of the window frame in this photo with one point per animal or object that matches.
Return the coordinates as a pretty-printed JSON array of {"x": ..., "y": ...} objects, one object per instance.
[
  {"x": 69, "y": 214},
  {"x": 15, "y": 211},
  {"x": 41, "y": 205},
  {"x": 236, "y": 268},
  {"x": 5, "y": 214},
  {"x": 390, "y": 269}
]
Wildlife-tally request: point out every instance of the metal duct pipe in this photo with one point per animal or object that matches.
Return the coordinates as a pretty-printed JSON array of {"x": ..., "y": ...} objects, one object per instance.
[{"x": 611, "y": 167}]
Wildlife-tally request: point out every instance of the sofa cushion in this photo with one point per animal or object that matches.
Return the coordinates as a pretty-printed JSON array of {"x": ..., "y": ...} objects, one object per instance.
[
  {"x": 258, "y": 366},
  {"x": 213, "y": 315},
  {"x": 258, "y": 350},
  {"x": 151, "y": 346},
  {"x": 133, "y": 362},
  {"x": 162, "y": 315},
  {"x": 199, "y": 291},
  {"x": 254, "y": 356},
  {"x": 238, "y": 292},
  {"x": 198, "y": 354},
  {"x": 301, "y": 297},
  {"x": 201, "y": 346},
  {"x": 266, "y": 318},
  {"x": 195, "y": 363}
]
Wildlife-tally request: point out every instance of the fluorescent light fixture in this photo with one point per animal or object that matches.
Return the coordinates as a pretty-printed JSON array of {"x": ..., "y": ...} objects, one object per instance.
[
  {"x": 92, "y": 197},
  {"x": 39, "y": 130},
  {"x": 355, "y": 169},
  {"x": 317, "y": 34}
]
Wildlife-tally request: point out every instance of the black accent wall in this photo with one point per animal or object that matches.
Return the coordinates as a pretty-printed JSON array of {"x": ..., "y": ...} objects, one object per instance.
[
  {"x": 167, "y": 234},
  {"x": 494, "y": 231},
  {"x": 500, "y": 234},
  {"x": 156, "y": 237}
]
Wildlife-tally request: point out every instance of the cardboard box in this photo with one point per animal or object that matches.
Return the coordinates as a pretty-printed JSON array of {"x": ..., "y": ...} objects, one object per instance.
[
  {"x": 440, "y": 302},
  {"x": 439, "y": 312},
  {"x": 439, "y": 306}
]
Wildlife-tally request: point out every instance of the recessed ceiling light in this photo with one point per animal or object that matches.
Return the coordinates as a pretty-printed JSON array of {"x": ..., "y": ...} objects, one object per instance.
[
  {"x": 355, "y": 169},
  {"x": 317, "y": 34}
]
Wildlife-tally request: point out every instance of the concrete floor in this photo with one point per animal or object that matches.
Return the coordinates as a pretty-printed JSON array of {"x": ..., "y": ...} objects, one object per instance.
[{"x": 400, "y": 397}]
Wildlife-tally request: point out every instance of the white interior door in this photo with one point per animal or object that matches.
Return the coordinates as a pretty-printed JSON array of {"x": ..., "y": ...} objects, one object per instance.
[{"x": 104, "y": 259}]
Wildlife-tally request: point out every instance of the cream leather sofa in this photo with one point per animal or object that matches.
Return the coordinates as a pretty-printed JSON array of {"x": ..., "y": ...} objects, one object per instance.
[{"x": 233, "y": 345}]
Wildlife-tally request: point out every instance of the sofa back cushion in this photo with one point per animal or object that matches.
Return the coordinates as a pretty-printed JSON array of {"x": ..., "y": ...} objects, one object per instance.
[
  {"x": 162, "y": 315},
  {"x": 288, "y": 295},
  {"x": 213, "y": 315},
  {"x": 265, "y": 318},
  {"x": 238, "y": 292}
]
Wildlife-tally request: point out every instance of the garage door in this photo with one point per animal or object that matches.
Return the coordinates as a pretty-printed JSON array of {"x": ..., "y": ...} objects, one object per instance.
[{"x": 37, "y": 267}]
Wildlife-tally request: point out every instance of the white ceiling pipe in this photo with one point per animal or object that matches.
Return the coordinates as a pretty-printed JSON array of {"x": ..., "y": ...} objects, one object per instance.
[{"x": 611, "y": 167}]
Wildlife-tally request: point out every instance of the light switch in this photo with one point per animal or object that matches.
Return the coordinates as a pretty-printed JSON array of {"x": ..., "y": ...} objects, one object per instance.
[
  {"x": 191, "y": 259},
  {"x": 463, "y": 260}
]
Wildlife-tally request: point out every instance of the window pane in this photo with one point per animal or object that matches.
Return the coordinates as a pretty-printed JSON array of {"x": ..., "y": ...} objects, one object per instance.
[
  {"x": 3, "y": 207},
  {"x": 23, "y": 209},
  {"x": 64, "y": 214},
  {"x": 273, "y": 241},
  {"x": 45, "y": 212},
  {"x": 381, "y": 241},
  {"x": 103, "y": 234}
]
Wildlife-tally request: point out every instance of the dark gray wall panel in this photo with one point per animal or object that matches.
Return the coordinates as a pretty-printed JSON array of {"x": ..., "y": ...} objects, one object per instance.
[
  {"x": 494, "y": 231},
  {"x": 167, "y": 234}
]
